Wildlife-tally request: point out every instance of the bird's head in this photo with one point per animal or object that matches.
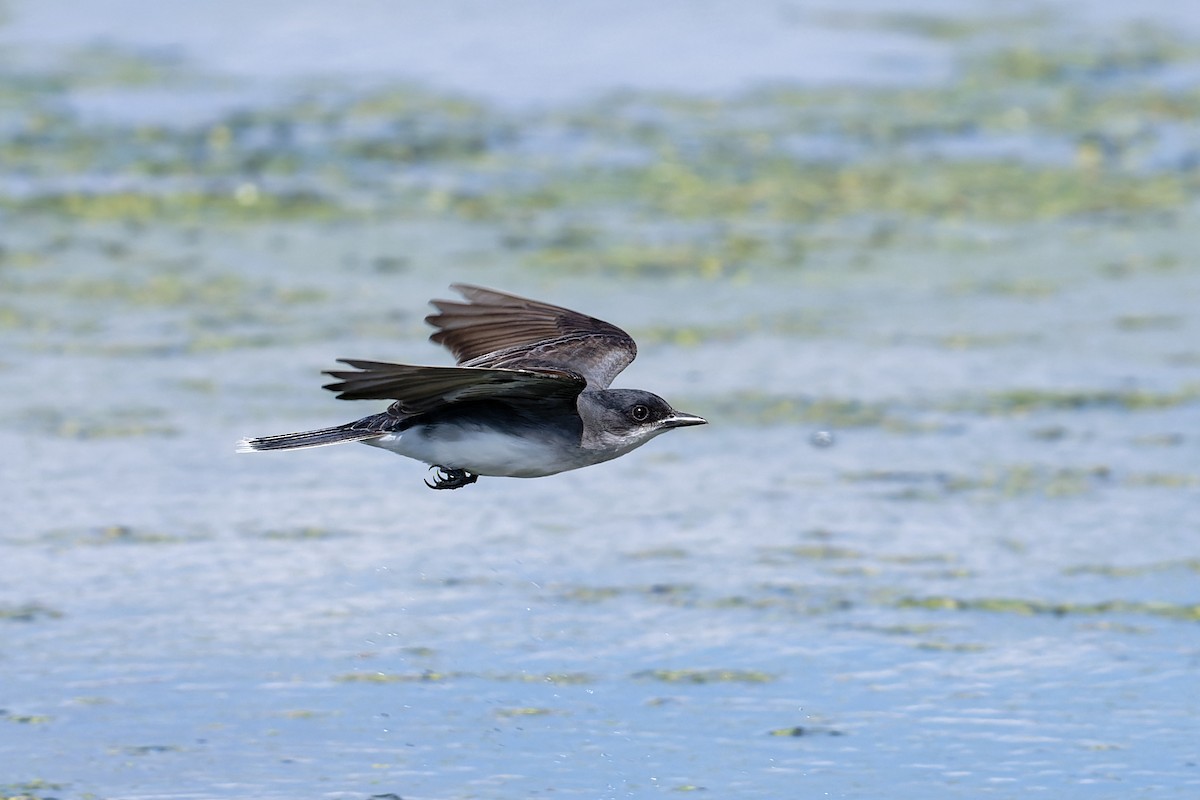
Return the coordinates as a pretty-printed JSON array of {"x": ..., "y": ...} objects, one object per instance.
[{"x": 622, "y": 419}]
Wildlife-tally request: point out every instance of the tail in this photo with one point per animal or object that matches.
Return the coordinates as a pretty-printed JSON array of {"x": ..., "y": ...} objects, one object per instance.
[{"x": 299, "y": 441}]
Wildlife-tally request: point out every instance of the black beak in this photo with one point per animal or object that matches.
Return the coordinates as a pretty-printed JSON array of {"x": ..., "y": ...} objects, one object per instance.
[{"x": 680, "y": 420}]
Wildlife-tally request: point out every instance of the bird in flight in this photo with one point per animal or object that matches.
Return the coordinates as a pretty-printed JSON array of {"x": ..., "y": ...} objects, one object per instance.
[{"x": 529, "y": 396}]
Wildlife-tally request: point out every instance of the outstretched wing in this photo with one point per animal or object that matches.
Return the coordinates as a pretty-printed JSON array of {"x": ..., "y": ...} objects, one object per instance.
[
  {"x": 500, "y": 330},
  {"x": 417, "y": 389}
]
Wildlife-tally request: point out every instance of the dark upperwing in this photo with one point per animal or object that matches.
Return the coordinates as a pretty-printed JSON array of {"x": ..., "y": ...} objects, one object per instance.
[
  {"x": 417, "y": 389},
  {"x": 499, "y": 330}
]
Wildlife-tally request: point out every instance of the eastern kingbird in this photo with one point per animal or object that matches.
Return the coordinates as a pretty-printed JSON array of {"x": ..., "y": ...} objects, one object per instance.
[{"x": 528, "y": 398}]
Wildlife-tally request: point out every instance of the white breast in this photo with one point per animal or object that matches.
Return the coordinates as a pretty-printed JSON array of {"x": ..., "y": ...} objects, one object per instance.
[{"x": 485, "y": 451}]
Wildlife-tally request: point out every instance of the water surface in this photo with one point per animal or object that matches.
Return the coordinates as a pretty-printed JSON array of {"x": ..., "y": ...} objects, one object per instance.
[{"x": 955, "y": 247}]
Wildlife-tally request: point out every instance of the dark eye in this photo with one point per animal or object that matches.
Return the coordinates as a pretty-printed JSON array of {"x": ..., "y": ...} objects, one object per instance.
[{"x": 640, "y": 413}]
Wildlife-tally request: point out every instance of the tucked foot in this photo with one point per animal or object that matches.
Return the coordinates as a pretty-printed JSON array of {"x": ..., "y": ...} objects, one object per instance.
[{"x": 450, "y": 478}]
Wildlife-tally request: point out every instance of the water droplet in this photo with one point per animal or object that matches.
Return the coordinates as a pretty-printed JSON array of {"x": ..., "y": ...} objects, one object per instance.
[{"x": 821, "y": 439}]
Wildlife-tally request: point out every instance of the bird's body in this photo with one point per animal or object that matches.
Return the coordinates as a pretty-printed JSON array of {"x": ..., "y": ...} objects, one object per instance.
[
  {"x": 490, "y": 440},
  {"x": 529, "y": 396}
]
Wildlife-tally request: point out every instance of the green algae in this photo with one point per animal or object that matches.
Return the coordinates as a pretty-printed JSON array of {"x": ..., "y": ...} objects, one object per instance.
[
  {"x": 1025, "y": 479},
  {"x": 1134, "y": 570},
  {"x": 899, "y": 476},
  {"x": 28, "y": 612},
  {"x": 658, "y": 553},
  {"x": 25, "y": 719},
  {"x": 242, "y": 204},
  {"x": 163, "y": 289},
  {"x": 981, "y": 341},
  {"x": 307, "y": 533},
  {"x": 1137, "y": 48},
  {"x": 812, "y": 552},
  {"x": 448, "y": 142},
  {"x": 304, "y": 713},
  {"x": 724, "y": 159},
  {"x": 1024, "y": 288},
  {"x": 556, "y": 678},
  {"x": 1162, "y": 263},
  {"x": 121, "y": 423},
  {"x": 704, "y": 676},
  {"x": 804, "y": 600},
  {"x": 932, "y": 26},
  {"x": 918, "y": 558},
  {"x": 200, "y": 386},
  {"x": 804, "y": 730},
  {"x": 1020, "y": 402},
  {"x": 943, "y": 646},
  {"x": 790, "y": 324},
  {"x": 715, "y": 256},
  {"x": 1020, "y": 480},
  {"x": 598, "y": 594},
  {"x": 748, "y": 407},
  {"x": 916, "y": 415},
  {"x": 898, "y": 629},
  {"x": 410, "y": 102},
  {"x": 419, "y": 651},
  {"x": 1158, "y": 440},
  {"x": 930, "y": 566},
  {"x": 146, "y": 749},
  {"x": 1009, "y": 605},
  {"x": 35, "y": 789},
  {"x": 740, "y": 601},
  {"x": 1146, "y": 322},
  {"x": 1163, "y": 480},
  {"x": 592, "y": 594},
  {"x": 109, "y": 65},
  {"x": 1049, "y": 433},
  {"x": 13, "y": 318},
  {"x": 109, "y": 535},
  {"x": 1000, "y": 192},
  {"x": 523, "y": 711},
  {"x": 426, "y": 676},
  {"x": 433, "y": 676},
  {"x": 785, "y": 192}
]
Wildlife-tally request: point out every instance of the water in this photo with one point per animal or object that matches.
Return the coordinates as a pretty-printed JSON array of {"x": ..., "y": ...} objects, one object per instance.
[{"x": 938, "y": 541}]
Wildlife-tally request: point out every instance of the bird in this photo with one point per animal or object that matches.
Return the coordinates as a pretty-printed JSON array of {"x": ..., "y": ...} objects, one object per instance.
[{"x": 528, "y": 397}]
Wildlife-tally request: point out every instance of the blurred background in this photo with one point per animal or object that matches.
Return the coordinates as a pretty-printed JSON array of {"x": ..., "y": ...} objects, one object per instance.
[{"x": 930, "y": 269}]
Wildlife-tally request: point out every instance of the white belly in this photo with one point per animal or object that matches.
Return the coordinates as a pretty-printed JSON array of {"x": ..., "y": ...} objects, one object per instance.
[{"x": 486, "y": 452}]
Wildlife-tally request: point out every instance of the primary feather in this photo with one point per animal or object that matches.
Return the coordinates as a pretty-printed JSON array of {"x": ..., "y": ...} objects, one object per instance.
[{"x": 501, "y": 330}]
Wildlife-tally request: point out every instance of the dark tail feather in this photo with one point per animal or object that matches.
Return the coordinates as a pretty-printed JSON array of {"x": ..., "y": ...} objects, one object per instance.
[{"x": 304, "y": 439}]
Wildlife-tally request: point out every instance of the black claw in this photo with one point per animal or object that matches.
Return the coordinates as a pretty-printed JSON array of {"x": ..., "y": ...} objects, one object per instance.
[{"x": 450, "y": 478}]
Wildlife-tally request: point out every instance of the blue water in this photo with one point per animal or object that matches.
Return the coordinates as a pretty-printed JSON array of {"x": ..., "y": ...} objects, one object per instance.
[{"x": 962, "y": 599}]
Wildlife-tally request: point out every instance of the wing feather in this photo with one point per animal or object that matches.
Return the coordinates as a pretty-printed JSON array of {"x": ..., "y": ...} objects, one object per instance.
[
  {"x": 497, "y": 329},
  {"x": 417, "y": 389}
]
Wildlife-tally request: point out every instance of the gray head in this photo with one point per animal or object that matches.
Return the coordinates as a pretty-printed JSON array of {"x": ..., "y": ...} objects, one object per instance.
[{"x": 622, "y": 419}]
